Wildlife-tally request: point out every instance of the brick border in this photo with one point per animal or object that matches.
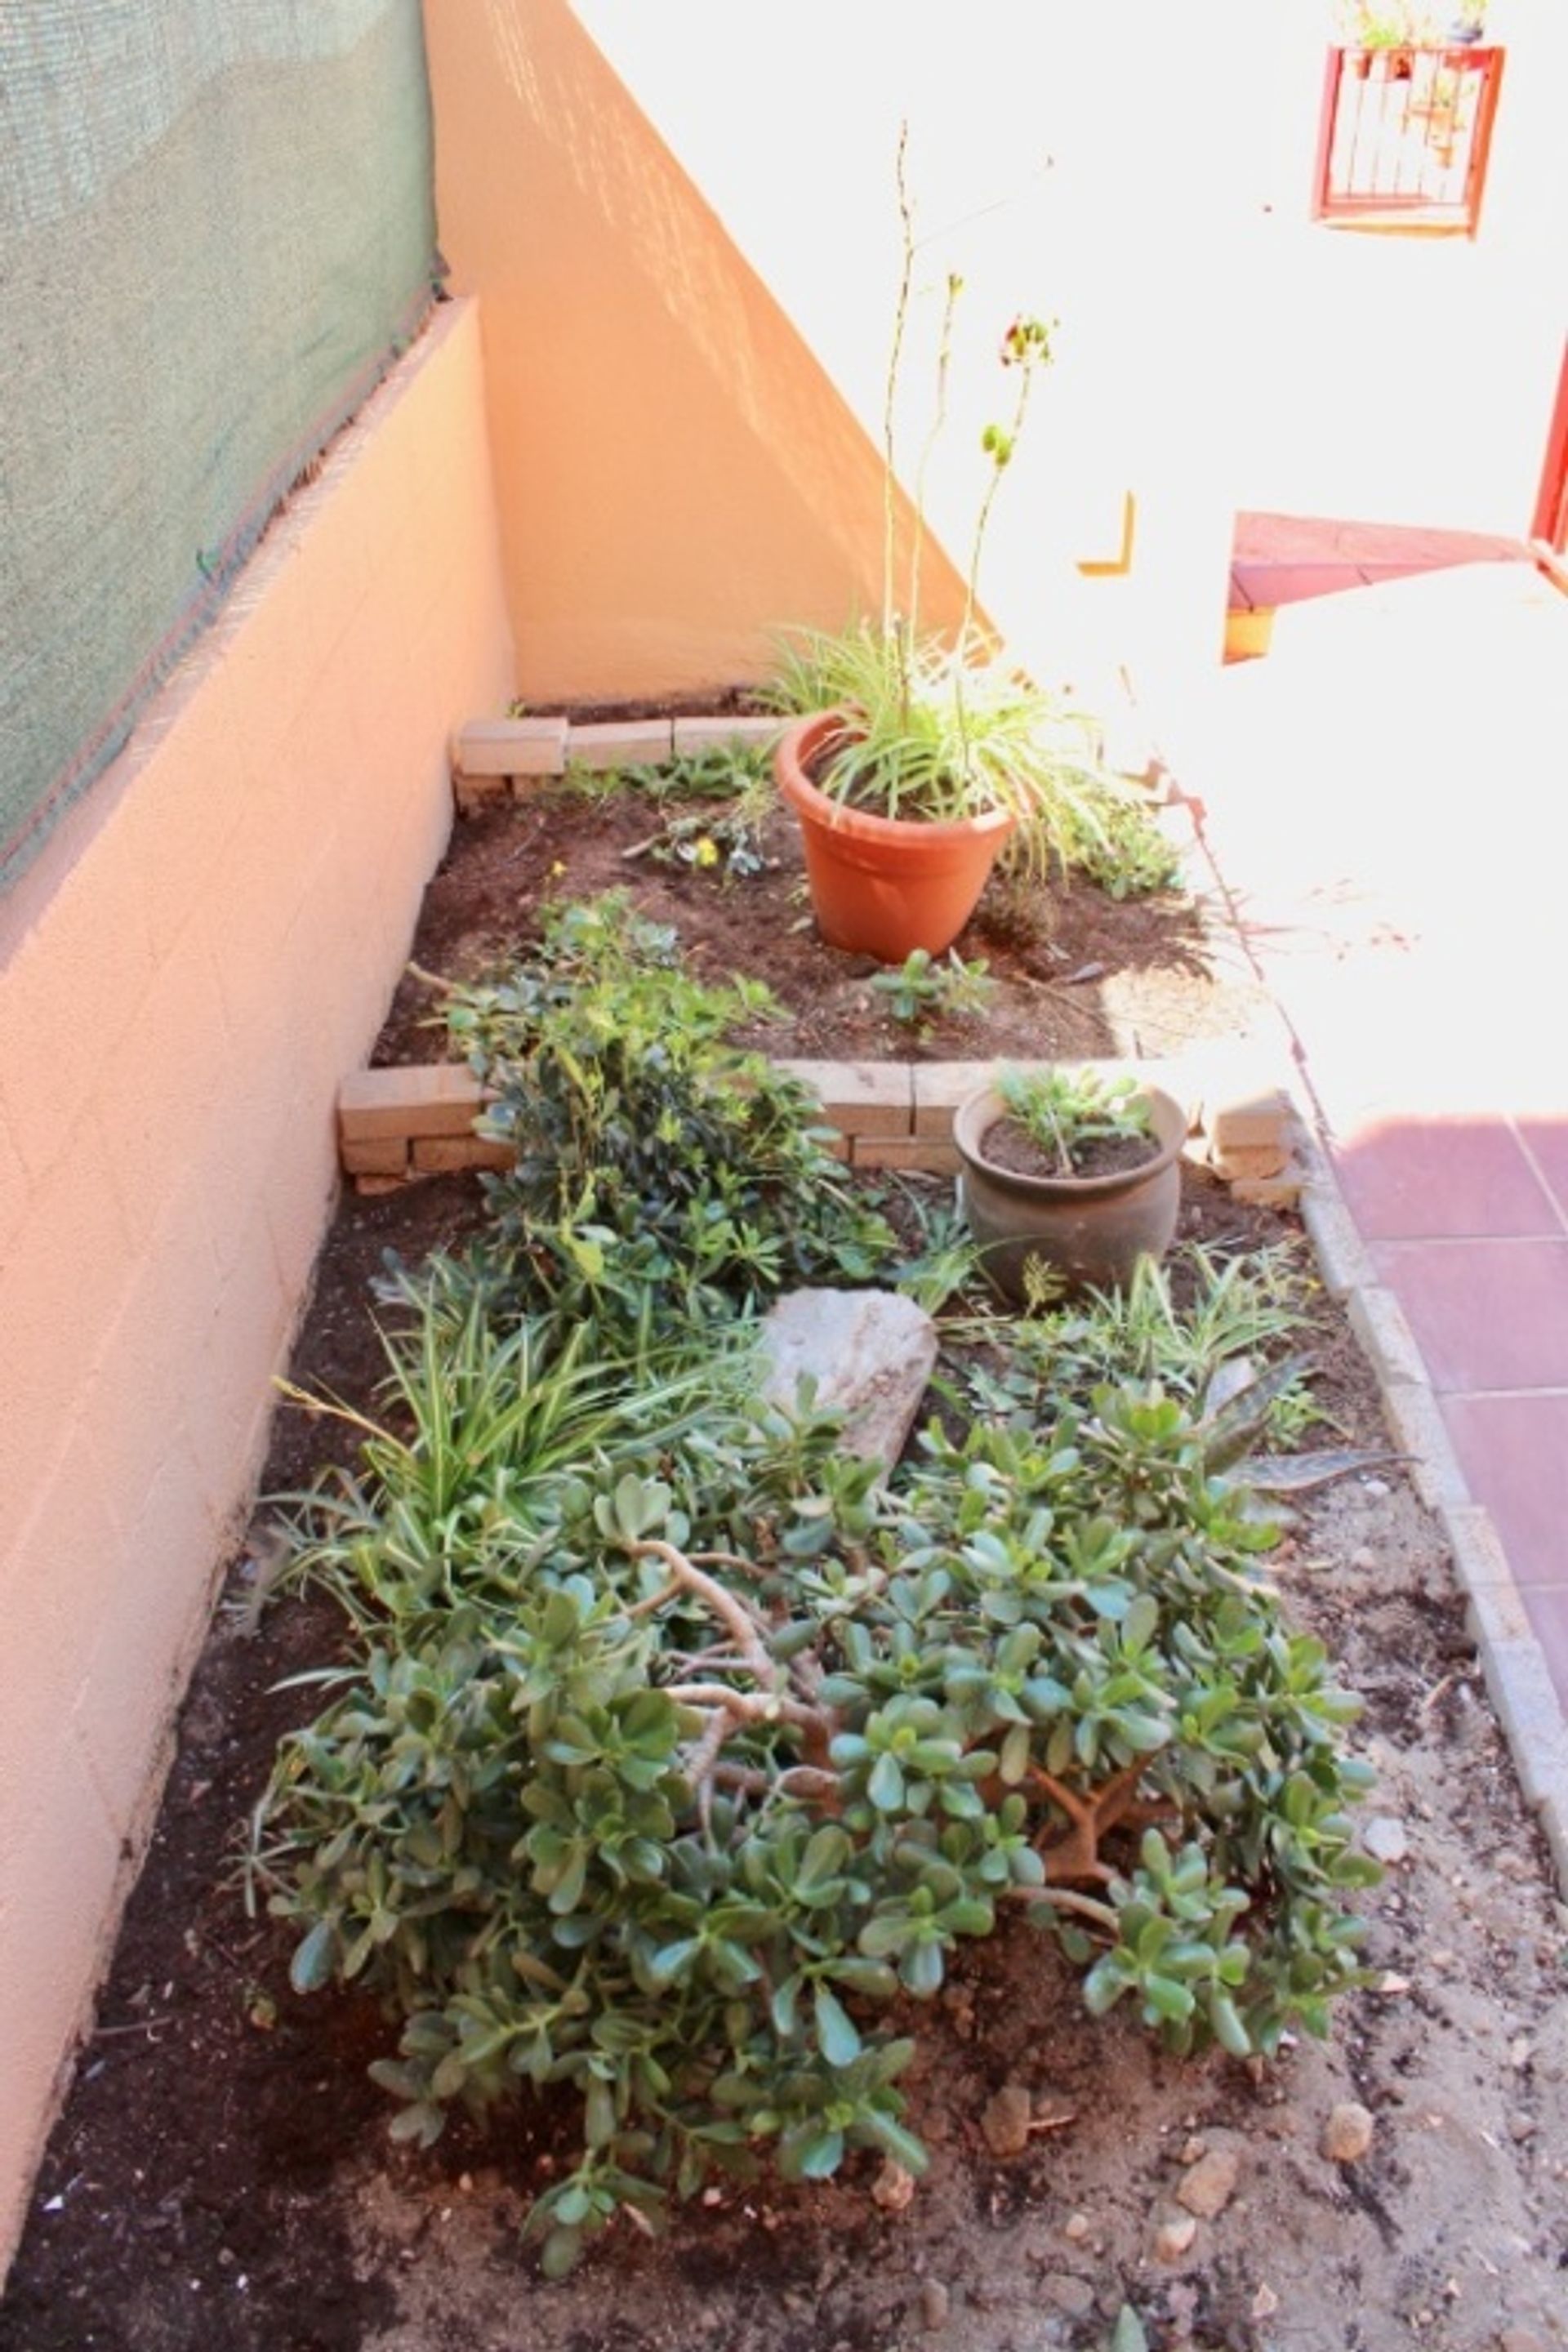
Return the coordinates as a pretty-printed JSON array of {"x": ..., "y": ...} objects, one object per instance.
[{"x": 417, "y": 1119}]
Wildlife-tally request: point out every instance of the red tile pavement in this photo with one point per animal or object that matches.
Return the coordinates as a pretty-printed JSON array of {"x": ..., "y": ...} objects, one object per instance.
[
  {"x": 1409, "y": 1178},
  {"x": 1415, "y": 960},
  {"x": 1486, "y": 1314},
  {"x": 1514, "y": 1452},
  {"x": 1546, "y": 1142},
  {"x": 1263, "y": 585},
  {"x": 1292, "y": 538},
  {"x": 1286, "y": 559}
]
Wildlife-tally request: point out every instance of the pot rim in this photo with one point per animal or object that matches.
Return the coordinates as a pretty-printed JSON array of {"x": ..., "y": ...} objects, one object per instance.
[
  {"x": 981, "y": 1109},
  {"x": 789, "y": 768}
]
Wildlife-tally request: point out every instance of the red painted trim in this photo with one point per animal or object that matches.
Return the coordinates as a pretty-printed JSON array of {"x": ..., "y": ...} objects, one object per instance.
[
  {"x": 1333, "y": 70},
  {"x": 1411, "y": 209},
  {"x": 1551, "y": 522},
  {"x": 1481, "y": 137}
]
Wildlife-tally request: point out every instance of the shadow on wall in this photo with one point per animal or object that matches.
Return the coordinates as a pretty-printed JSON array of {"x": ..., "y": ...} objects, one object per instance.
[{"x": 620, "y": 320}]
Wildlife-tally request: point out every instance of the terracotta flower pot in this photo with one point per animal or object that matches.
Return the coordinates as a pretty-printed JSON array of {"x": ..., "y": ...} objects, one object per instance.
[
  {"x": 883, "y": 886},
  {"x": 1093, "y": 1228}
]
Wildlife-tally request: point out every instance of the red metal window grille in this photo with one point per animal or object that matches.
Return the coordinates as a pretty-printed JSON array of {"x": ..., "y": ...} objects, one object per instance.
[{"x": 1405, "y": 136}]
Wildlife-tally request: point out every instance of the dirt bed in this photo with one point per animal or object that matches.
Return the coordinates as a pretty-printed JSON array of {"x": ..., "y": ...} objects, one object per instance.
[
  {"x": 222, "y": 2177},
  {"x": 1075, "y": 972}
]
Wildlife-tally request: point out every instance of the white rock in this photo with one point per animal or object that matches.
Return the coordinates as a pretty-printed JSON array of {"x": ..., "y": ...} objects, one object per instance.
[
  {"x": 1069, "y": 2293},
  {"x": 1347, "y": 2134},
  {"x": 1384, "y": 1838},
  {"x": 870, "y": 1352}
]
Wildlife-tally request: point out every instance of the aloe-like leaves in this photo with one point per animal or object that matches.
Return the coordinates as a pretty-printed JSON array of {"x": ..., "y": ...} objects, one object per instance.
[
  {"x": 1229, "y": 1434},
  {"x": 1296, "y": 1473}
]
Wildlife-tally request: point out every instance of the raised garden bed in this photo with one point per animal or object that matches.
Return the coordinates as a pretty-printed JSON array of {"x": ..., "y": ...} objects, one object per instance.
[{"x": 222, "y": 2175}]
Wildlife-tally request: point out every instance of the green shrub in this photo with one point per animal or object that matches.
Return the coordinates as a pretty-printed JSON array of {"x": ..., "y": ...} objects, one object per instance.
[
  {"x": 674, "y": 1754},
  {"x": 658, "y": 1174}
]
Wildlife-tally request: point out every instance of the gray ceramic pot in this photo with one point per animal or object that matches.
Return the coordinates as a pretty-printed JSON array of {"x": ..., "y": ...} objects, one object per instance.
[{"x": 1093, "y": 1228}]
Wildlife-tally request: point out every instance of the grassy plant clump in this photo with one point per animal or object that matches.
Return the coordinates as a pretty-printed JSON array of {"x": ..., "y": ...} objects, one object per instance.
[
  {"x": 940, "y": 728},
  {"x": 674, "y": 1754},
  {"x": 938, "y": 734},
  {"x": 1204, "y": 1327}
]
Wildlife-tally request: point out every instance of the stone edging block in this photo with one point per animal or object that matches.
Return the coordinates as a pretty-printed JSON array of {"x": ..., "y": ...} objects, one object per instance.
[
  {"x": 1378, "y": 1322},
  {"x": 860, "y": 1098},
  {"x": 1343, "y": 1259},
  {"x": 495, "y": 758},
  {"x": 408, "y": 1100},
  {"x": 512, "y": 747},
  {"x": 622, "y": 743},
  {"x": 694, "y": 735}
]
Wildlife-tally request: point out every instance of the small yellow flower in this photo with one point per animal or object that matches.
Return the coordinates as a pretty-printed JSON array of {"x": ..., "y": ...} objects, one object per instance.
[
  {"x": 707, "y": 852},
  {"x": 558, "y": 869}
]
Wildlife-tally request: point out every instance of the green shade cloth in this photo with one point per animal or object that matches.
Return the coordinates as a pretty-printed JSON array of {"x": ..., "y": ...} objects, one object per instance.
[{"x": 216, "y": 234}]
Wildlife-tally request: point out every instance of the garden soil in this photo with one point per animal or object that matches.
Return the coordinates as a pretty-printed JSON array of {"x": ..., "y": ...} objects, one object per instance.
[{"x": 222, "y": 2181}]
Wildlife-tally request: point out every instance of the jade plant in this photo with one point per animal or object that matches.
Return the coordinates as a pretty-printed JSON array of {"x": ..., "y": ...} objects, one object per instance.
[{"x": 675, "y": 1754}]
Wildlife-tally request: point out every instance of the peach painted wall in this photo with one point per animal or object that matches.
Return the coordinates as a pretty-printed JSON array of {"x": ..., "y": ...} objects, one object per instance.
[
  {"x": 682, "y": 222},
  {"x": 206, "y": 945}
]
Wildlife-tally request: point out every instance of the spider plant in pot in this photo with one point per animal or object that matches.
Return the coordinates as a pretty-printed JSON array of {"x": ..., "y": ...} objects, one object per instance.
[
  {"x": 916, "y": 758},
  {"x": 1068, "y": 1167}
]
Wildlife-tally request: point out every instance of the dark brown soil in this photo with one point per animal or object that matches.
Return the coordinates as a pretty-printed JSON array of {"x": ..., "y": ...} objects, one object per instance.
[
  {"x": 1077, "y": 974},
  {"x": 1009, "y": 1146},
  {"x": 221, "y": 2179}
]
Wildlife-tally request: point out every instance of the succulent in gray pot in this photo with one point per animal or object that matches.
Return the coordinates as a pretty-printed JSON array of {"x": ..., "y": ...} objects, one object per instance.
[{"x": 1071, "y": 1167}]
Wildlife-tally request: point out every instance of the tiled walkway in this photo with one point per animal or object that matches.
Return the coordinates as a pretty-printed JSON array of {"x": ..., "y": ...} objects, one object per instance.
[
  {"x": 1286, "y": 559},
  {"x": 1386, "y": 798}
]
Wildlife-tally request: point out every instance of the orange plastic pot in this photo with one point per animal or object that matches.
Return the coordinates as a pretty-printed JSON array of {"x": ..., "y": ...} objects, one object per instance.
[{"x": 883, "y": 886}]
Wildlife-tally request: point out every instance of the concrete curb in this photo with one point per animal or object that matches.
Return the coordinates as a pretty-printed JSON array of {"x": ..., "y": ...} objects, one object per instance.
[{"x": 1513, "y": 1663}]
